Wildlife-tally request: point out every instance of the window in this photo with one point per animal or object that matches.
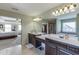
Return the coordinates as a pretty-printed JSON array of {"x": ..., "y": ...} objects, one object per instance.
[
  {"x": 19, "y": 27},
  {"x": 68, "y": 26},
  {"x": 7, "y": 27}
]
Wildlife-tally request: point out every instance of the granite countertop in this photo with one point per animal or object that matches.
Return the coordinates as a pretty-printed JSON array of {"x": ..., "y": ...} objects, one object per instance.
[
  {"x": 71, "y": 40},
  {"x": 42, "y": 36},
  {"x": 37, "y": 33}
]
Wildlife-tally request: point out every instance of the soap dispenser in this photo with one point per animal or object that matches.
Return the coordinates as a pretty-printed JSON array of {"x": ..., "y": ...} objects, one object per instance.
[{"x": 66, "y": 36}]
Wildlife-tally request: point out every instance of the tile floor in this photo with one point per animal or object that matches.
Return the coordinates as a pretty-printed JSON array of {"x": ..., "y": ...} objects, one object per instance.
[
  {"x": 10, "y": 42},
  {"x": 14, "y": 50},
  {"x": 21, "y": 50},
  {"x": 13, "y": 47},
  {"x": 7, "y": 46},
  {"x": 32, "y": 51}
]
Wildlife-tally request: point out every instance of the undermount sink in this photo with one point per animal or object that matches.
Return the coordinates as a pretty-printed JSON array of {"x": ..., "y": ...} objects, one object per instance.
[{"x": 61, "y": 36}]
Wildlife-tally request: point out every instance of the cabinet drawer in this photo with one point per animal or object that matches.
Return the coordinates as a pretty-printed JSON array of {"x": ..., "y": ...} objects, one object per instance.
[
  {"x": 63, "y": 51},
  {"x": 74, "y": 49},
  {"x": 50, "y": 49},
  {"x": 50, "y": 41},
  {"x": 56, "y": 43}
]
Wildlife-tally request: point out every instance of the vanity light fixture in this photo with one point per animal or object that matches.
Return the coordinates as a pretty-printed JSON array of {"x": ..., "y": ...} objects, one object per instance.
[
  {"x": 65, "y": 9},
  {"x": 37, "y": 19}
]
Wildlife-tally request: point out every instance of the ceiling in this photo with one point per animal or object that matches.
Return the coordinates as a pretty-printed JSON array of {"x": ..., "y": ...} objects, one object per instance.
[
  {"x": 31, "y": 9},
  {"x": 4, "y": 19}
]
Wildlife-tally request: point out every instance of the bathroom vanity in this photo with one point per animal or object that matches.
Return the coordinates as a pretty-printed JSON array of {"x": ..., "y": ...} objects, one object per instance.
[
  {"x": 55, "y": 45},
  {"x": 61, "y": 46},
  {"x": 33, "y": 40}
]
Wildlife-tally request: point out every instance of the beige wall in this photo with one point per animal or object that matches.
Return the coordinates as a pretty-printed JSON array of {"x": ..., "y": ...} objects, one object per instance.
[{"x": 27, "y": 23}]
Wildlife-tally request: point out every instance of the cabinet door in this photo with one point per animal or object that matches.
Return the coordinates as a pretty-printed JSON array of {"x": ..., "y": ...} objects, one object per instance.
[
  {"x": 30, "y": 38},
  {"x": 33, "y": 39},
  {"x": 50, "y": 49}
]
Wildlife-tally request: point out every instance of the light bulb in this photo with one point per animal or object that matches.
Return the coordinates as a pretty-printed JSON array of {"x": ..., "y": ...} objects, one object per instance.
[
  {"x": 71, "y": 7},
  {"x": 57, "y": 12},
  {"x": 53, "y": 13},
  {"x": 61, "y": 11},
  {"x": 66, "y": 10}
]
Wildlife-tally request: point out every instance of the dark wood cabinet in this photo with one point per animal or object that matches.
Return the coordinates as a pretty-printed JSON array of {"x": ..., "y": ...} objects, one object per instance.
[
  {"x": 31, "y": 38},
  {"x": 33, "y": 41},
  {"x": 60, "y": 48},
  {"x": 62, "y": 51},
  {"x": 50, "y": 49},
  {"x": 53, "y": 47}
]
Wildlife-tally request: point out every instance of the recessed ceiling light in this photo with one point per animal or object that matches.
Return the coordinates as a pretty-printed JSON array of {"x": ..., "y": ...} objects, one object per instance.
[{"x": 15, "y": 9}]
